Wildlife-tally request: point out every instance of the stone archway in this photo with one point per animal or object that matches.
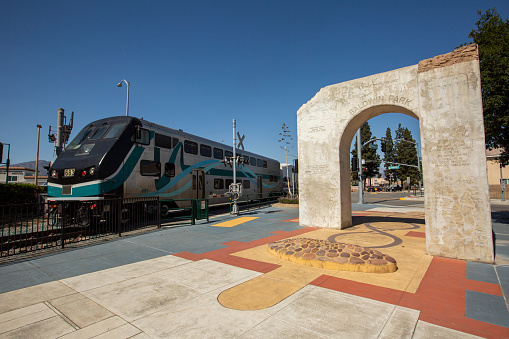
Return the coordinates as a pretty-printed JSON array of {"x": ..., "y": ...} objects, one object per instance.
[{"x": 444, "y": 93}]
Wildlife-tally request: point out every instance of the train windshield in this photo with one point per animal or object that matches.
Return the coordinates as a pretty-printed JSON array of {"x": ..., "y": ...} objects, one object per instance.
[
  {"x": 91, "y": 132},
  {"x": 76, "y": 142}
]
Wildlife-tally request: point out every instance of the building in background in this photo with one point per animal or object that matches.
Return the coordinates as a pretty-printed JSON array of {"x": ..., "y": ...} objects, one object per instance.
[
  {"x": 294, "y": 182},
  {"x": 22, "y": 175},
  {"x": 495, "y": 171}
]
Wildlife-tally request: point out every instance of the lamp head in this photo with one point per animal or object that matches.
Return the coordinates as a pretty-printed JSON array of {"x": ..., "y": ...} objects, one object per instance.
[{"x": 119, "y": 84}]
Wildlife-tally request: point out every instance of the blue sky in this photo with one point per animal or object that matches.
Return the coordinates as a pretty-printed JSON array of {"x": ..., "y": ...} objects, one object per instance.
[{"x": 196, "y": 65}]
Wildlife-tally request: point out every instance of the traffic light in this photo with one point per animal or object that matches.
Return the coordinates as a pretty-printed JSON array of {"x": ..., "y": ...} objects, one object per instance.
[
  {"x": 355, "y": 164},
  {"x": 384, "y": 146}
]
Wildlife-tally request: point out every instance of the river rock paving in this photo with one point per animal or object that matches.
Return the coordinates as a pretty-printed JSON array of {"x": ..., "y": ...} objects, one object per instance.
[{"x": 332, "y": 255}]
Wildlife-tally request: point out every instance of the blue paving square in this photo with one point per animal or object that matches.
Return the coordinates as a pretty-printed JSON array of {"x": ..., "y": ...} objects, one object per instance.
[
  {"x": 20, "y": 276},
  {"x": 487, "y": 308},
  {"x": 481, "y": 272},
  {"x": 503, "y": 276}
]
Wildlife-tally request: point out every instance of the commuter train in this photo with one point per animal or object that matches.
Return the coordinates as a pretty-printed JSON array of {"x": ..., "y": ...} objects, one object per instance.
[{"x": 127, "y": 157}]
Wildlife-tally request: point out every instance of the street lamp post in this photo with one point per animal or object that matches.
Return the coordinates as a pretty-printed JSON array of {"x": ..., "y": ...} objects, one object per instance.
[
  {"x": 127, "y": 103},
  {"x": 37, "y": 157}
]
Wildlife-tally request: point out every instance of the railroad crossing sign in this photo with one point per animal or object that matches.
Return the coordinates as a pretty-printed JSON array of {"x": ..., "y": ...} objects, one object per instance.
[{"x": 241, "y": 140}]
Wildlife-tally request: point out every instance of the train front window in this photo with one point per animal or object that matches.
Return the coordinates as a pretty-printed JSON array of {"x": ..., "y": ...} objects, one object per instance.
[
  {"x": 76, "y": 142},
  {"x": 114, "y": 130},
  {"x": 98, "y": 133}
]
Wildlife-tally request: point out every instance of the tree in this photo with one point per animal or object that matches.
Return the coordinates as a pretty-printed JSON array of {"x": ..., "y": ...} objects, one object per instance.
[
  {"x": 492, "y": 37},
  {"x": 405, "y": 152},
  {"x": 389, "y": 154},
  {"x": 370, "y": 155}
]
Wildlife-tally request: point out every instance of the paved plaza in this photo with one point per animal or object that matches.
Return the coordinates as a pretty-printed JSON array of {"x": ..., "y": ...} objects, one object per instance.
[{"x": 218, "y": 280}]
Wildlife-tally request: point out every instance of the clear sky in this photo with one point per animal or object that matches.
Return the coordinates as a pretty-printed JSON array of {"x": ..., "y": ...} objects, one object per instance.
[{"x": 196, "y": 65}]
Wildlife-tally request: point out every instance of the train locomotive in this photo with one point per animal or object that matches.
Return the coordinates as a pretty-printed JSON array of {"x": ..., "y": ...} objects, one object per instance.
[{"x": 127, "y": 157}]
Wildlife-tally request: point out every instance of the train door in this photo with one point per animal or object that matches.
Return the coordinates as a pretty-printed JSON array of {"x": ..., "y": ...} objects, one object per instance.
[
  {"x": 259, "y": 185},
  {"x": 198, "y": 184}
]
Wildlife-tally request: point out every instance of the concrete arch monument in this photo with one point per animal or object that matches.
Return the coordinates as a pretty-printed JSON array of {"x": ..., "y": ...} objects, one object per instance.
[{"x": 444, "y": 93}]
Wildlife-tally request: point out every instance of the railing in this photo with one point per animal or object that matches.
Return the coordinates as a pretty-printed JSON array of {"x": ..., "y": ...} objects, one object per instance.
[
  {"x": 34, "y": 227},
  {"x": 257, "y": 200},
  {"x": 187, "y": 210},
  {"x": 418, "y": 193}
]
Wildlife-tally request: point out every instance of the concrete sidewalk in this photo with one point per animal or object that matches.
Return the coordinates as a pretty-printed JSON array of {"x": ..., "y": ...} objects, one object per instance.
[{"x": 169, "y": 284}]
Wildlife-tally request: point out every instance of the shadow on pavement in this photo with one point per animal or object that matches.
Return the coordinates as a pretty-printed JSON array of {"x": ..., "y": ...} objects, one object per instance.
[{"x": 362, "y": 219}]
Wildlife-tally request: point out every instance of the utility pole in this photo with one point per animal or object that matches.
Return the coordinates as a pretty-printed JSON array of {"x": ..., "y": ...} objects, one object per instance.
[
  {"x": 37, "y": 157},
  {"x": 235, "y": 209},
  {"x": 286, "y": 139}
]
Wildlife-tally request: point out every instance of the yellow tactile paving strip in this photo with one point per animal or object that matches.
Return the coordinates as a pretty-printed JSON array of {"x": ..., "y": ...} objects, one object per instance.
[
  {"x": 270, "y": 288},
  {"x": 235, "y": 222}
]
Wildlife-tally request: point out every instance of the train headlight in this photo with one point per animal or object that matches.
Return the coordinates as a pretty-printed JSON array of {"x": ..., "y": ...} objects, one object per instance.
[
  {"x": 91, "y": 170},
  {"x": 54, "y": 174}
]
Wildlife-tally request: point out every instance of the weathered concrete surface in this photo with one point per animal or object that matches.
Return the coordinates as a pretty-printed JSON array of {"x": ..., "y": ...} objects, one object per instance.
[{"x": 444, "y": 93}]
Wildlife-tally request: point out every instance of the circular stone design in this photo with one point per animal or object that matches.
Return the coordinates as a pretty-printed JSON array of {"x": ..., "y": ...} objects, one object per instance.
[{"x": 327, "y": 255}]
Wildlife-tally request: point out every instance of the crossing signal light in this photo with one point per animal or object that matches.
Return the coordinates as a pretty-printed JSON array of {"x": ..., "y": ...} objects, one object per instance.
[
  {"x": 355, "y": 164},
  {"x": 384, "y": 145}
]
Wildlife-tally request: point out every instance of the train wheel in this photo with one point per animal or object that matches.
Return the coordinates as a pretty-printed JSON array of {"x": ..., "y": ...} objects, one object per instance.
[
  {"x": 125, "y": 216},
  {"x": 83, "y": 217},
  {"x": 164, "y": 210},
  {"x": 52, "y": 217}
]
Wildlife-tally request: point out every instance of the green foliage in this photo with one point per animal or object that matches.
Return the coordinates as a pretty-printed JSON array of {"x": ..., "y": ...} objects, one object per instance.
[
  {"x": 405, "y": 152},
  {"x": 389, "y": 154},
  {"x": 492, "y": 37},
  {"x": 292, "y": 201},
  {"x": 368, "y": 154},
  {"x": 19, "y": 193}
]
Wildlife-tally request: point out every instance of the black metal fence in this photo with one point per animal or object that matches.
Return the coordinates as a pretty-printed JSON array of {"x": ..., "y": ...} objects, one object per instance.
[
  {"x": 34, "y": 227},
  {"x": 257, "y": 200}
]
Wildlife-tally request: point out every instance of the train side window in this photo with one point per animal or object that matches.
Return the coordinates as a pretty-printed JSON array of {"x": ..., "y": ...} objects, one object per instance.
[
  {"x": 271, "y": 178},
  {"x": 252, "y": 161},
  {"x": 142, "y": 136},
  {"x": 218, "y": 184},
  {"x": 218, "y": 153},
  {"x": 150, "y": 168},
  {"x": 163, "y": 141},
  {"x": 194, "y": 182},
  {"x": 264, "y": 163},
  {"x": 228, "y": 154},
  {"x": 169, "y": 170},
  {"x": 205, "y": 151},
  {"x": 259, "y": 162},
  {"x": 228, "y": 182},
  {"x": 190, "y": 147},
  {"x": 246, "y": 184},
  {"x": 175, "y": 142}
]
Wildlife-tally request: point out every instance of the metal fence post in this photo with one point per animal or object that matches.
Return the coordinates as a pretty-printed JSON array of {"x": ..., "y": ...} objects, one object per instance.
[
  {"x": 119, "y": 206},
  {"x": 64, "y": 218},
  {"x": 193, "y": 212},
  {"x": 158, "y": 213}
]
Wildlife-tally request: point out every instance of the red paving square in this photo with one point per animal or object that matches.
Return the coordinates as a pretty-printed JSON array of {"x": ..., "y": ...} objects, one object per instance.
[
  {"x": 440, "y": 297},
  {"x": 416, "y": 234}
]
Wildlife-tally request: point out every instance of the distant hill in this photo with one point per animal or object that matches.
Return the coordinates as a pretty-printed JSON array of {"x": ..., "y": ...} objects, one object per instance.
[{"x": 31, "y": 164}]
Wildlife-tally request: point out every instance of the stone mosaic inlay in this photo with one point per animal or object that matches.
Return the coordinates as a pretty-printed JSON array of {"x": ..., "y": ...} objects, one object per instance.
[{"x": 333, "y": 256}]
